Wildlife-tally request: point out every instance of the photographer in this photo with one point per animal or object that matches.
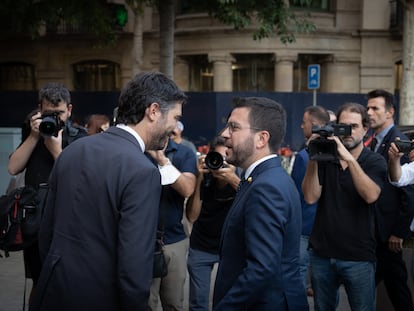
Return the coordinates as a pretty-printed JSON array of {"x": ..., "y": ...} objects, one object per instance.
[
  {"x": 342, "y": 242},
  {"x": 38, "y": 151},
  {"x": 207, "y": 208}
]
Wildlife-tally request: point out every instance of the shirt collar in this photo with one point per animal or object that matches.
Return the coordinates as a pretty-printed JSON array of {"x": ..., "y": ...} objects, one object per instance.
[
  {"x": 380, "y": 136},
  {"x": 254, "y": 164},
  {"x": 133, "y": 133}
]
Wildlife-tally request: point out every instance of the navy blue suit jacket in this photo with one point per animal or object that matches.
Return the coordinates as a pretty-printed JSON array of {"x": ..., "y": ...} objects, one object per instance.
[
  {"x": 259, "y": 251},
  {"x": 98, "y": 231}
]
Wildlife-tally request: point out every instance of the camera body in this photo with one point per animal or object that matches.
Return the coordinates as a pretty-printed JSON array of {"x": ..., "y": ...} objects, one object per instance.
[
  {"x": 404, "y": 146},
  {"x": 51, "y": 124},
  {"x": 214, "y": 160},
  {"x": 322, "y": 148}
]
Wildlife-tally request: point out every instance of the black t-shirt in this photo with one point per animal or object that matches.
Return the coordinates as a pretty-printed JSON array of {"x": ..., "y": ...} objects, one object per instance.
[
  {"x": 344, "y": 225},
  {"x": 216, "y": 203},
  {"x": 41, "y": 161}
]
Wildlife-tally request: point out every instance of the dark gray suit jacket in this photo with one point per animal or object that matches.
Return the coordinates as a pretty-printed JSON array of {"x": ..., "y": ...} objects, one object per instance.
[{"x": 98, "y": 232}]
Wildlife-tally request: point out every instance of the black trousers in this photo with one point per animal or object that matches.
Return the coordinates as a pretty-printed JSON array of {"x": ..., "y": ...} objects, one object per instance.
[{"x": 392, "y": 270}]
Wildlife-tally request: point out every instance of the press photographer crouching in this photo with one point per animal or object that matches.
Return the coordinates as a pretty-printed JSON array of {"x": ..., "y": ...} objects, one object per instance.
[
  {"x": 207, "y": 208},
  {"x": 322, "y": 148}
]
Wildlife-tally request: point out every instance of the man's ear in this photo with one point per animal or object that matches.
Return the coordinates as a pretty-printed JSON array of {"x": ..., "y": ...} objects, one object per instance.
[
  {"x": 263, "y": 140},
  {"x": 153, "y": 111},
  {"x": 70, "y": 110},
  {"x": 391, "y": 112}
]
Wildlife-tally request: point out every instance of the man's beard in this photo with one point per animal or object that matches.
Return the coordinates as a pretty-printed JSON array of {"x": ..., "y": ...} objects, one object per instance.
[
  {"x": 351, "y": 146},
  {"x": 158, "y": 141},
  {"x": 241, "y": 153}
]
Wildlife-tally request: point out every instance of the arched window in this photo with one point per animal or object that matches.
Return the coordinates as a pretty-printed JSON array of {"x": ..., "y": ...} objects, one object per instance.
[
  {"x": 16, "y": 76},
  {"x": 97, "y": 75}
]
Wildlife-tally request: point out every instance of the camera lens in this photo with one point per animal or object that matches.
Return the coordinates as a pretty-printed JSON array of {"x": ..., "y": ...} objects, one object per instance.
[
  {"x": 214, "y": 160},
  {"x": 48, "y": 126}
]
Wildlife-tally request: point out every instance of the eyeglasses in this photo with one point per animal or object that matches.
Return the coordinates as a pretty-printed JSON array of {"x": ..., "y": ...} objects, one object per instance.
[{"x": 234, "y": 127}]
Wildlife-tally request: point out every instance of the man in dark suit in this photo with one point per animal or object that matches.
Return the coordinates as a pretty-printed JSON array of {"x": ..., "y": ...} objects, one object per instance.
[
  {"x": 98, "y": 234},
  {"x": 393, "y": 214},
  {"x": 259, "y": 251}
]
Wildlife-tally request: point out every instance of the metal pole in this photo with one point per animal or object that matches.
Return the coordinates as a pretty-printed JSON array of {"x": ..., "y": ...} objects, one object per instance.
[{"x": 314, "y": 97}]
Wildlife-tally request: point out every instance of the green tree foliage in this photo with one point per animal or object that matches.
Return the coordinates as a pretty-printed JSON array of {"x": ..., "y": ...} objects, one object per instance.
[
  {"x": 274, "y": 18},
  {"x": 26, "y": 17}
]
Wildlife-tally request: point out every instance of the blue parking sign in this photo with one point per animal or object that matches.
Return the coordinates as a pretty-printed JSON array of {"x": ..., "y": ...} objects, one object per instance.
[{"x": 313, "y": 76}]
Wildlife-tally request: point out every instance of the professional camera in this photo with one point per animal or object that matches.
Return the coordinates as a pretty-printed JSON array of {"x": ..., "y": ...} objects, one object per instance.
[
  {"x": 322, "y": 148},
  {"x": 214, "y": 160},
  {"x": 51, "y": 124},
  {"x": 404, "y": 146}
]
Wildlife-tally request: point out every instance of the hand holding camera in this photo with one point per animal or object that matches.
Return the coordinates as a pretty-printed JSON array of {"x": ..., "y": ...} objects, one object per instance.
[
  {"x": 404, "y": 146},
  {"x": 323, "y": 147},
  {"x": 51, "y": 124}
]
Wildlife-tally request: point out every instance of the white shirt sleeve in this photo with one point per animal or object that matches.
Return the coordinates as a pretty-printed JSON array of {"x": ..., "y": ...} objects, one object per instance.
[
  {"x": 407, "y": 175},
  {"x": 169, "y": 173}
]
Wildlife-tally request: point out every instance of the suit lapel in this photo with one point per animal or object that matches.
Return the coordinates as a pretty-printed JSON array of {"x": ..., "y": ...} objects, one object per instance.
[{"x": 244, "y": 189}]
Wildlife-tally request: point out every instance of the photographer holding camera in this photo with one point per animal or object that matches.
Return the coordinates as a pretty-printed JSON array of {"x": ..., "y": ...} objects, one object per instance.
[
  {"x": 342, "y": 242},
  {"x": 50, "y": 132},
  {"x": 207, "y": 208}
]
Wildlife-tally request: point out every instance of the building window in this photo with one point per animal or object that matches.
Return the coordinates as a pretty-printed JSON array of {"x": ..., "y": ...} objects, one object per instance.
[
  {"x": 315, "y": 5},
  {"x": 398, "y": 69},
  {"x": 201, "y": 73},
  {"x": 97, "y": 75},
  {"x": 16, "y": 76},
  {"x": 253, "y": 72}
]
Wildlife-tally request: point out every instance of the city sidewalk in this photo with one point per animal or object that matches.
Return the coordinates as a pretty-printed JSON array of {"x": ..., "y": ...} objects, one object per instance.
[{"x": 12, "y": 280}]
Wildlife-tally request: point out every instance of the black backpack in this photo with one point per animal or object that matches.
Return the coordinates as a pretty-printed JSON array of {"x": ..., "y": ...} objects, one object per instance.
[{"x": 20, "y": 216}]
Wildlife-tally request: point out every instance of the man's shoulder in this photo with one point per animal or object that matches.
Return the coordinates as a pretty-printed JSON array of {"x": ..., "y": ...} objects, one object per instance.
[{"x": 395, "y": 132}]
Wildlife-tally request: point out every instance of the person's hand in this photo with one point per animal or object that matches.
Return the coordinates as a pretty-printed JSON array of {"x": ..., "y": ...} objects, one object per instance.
[
  {"x": 201, "y": 166},
  {"x": 35, "y": 121},
  {"x": 224, "y": 173},
  {"x": 343, "y": 153},
  {"x": 395, "y": 244},
  {"x": 393, "y": 153},
  {"x": 159, "y": 155},
  {"x": 54, "y": 143}
]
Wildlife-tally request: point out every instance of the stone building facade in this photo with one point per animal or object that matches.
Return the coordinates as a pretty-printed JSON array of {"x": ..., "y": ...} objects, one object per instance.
[{"x": 357, "y": 44}]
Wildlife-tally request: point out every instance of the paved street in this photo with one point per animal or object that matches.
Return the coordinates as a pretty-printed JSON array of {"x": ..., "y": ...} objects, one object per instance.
[{"x": 12, "y": 281}]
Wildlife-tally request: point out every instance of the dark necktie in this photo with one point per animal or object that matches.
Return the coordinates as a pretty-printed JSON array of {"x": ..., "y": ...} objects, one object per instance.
[
  {"x": 242, "y": 180},
  {"x": 373, "y": 144}
]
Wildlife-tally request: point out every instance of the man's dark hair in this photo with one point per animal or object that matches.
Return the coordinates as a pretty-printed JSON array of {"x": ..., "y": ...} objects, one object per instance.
[
  {"x": 267, "y": 115},
  {"x": 388, "y": 97},
  {"x": 54, "y": 93},
  {"x": 216, "y": 141},
  {"x": 319, "y": 113},
  {"x": 357, "y": 108},
  {"x": 143, "y": 90}
]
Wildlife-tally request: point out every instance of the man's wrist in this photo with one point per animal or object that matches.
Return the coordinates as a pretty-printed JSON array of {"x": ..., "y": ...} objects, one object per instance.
[{"x": 169, "y": 173}]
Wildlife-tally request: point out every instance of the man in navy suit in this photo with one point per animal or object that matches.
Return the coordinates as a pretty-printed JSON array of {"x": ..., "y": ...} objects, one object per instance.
[
  {"x": 98, "y": 233},
  {"x": 259, "y": 250}
]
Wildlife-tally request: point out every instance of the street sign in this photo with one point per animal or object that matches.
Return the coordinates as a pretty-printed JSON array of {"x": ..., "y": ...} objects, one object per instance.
[{"x": 314, "y": 76}]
